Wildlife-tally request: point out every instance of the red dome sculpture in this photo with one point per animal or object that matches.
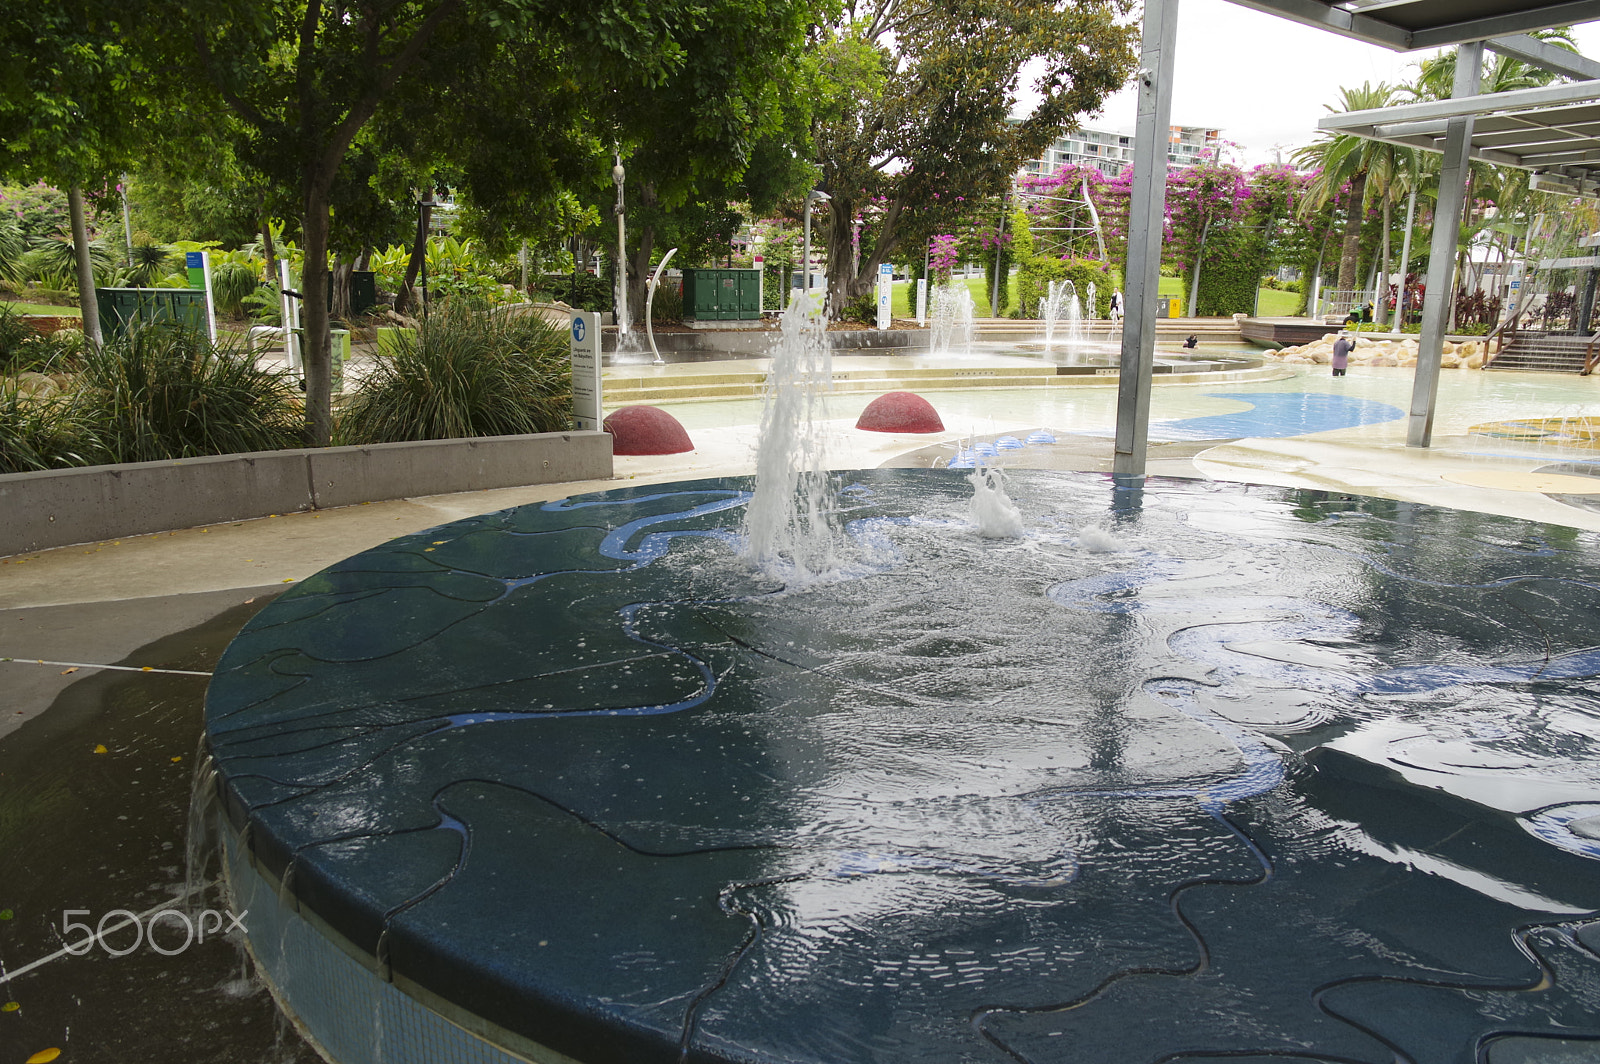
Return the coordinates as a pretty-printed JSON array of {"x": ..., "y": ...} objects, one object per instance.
[
  {"x": 900, "y": 412},
  {"x": 646, "y": 430}
]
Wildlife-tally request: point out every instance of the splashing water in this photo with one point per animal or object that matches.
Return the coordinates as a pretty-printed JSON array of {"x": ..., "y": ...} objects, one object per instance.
[
  {"x": 1050, "y": 311},
  {"x": 991, "y": 509},
  {"x": 951, "y": 327},
  {"x": 1077, "y": 329},
  {"x": 789, "y": 529}
]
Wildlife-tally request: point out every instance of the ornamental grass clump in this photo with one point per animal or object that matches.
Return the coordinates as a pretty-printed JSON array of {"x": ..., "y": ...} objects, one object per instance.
[
  {"x": 470, "y": 370},
  {"x": 42, "y": 432},
  {"x": 165, "y": 391}
]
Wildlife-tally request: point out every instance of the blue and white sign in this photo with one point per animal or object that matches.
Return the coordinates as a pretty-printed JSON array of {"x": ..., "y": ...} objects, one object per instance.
[
  {"x": 885, "y": 294},
  {"x": 586, "y": 370}
]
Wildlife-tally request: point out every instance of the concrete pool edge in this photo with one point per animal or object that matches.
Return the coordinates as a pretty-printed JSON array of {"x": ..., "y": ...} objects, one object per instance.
[{"x": 435, "y": 1030}]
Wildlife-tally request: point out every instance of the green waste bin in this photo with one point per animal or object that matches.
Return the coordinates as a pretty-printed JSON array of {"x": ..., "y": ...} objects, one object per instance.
[
  {"x": 120, "y": 308},
  {"x": 721, "y": 295}
]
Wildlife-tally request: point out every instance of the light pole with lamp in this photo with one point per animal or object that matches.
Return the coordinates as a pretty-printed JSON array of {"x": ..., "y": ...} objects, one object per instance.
[
  {"x": 816, "y": 195},
  {"x": 618, "y": 174},
  {"x": 424, "y": 223}
]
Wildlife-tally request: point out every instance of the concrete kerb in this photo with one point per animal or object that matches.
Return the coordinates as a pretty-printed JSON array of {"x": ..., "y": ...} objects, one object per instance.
[{"x": 61, "y": 507}]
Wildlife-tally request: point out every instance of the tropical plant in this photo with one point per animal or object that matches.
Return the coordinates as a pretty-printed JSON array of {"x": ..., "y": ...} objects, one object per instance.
[
  {"x": 13, "y": 244},
  {"x": 150, "y": 261},
  {"x": 1340, "y": 164},
  {"x": 469, "y": 370},
  {"x": 164, "y": 391},
  {"x": 44, "y": 432},
  {"x": 231, "y": 284}
]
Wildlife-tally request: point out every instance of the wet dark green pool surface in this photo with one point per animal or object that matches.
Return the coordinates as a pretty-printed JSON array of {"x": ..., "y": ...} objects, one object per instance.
[{"x": 1201, "y": 770}]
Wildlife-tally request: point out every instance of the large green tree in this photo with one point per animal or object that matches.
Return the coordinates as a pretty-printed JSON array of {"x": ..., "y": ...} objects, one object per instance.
[
  {"x": 507, "y": 87},
  {"x": 73, "y": 103},
  {"x": 914, "y": 115}
]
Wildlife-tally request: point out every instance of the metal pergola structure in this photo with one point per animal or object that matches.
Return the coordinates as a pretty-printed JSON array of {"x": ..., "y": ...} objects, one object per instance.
[{"x": 1552, "y": 131}]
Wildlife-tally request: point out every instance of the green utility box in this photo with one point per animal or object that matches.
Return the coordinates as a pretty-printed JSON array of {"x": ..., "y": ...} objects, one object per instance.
[
  {"x": 121, "y": 307},
  {"x": 721, "y": 295},
  {"x": 363, "y": 291}
]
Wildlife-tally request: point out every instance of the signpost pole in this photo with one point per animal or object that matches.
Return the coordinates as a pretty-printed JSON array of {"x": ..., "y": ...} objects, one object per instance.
[
  {"x": 586, "y": 397},
  {"x": 885, "y": 294}
]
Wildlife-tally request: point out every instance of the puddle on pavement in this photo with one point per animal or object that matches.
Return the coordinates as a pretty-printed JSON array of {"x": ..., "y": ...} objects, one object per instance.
[{"x": 81, "y": 830}]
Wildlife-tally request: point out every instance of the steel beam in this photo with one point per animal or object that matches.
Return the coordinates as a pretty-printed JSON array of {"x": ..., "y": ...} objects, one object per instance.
[
  {"x": 1146, "y": 215},
  {"x": 1537, "y": 53},
  {"x": 1442, "y": 254},
  {"x": 1478, "y": 106}
]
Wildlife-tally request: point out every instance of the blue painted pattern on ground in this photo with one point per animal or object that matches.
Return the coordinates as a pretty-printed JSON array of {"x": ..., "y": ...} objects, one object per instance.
[{"x": 1278, "y": 414}]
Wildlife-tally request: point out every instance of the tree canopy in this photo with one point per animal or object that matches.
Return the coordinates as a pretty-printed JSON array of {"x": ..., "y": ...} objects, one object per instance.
[{"x": 914, "y": 113}]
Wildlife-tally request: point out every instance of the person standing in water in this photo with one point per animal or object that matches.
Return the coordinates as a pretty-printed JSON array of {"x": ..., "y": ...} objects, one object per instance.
[{"x": 1341, "y": 353}]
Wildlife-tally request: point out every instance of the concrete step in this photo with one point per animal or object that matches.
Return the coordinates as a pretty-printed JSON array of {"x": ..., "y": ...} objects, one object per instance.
[{"x": 669, "y": 389}]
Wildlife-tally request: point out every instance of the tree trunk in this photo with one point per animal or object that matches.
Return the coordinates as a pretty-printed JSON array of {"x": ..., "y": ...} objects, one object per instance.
[
  {"x": 314, "y": 310},
  {"x": 419, "y": 251},
  {"x": 841, "y": 252},
  {"x": 1382, "y": 294},
  {"x": 80, "y": 251},
  {"x": 848, "y": 277},
  {"x": 1349, "y": 257},
  {"x": 645, "y": 234},
  {"x": 342, "y": 269},
  {"x": 269, "y": 251}
]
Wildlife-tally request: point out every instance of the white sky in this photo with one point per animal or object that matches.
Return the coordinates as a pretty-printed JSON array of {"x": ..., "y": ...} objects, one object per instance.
[{"x": 1263, "y": 80}]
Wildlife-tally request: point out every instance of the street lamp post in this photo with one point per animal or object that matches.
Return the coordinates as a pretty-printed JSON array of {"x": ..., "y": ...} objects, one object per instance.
[
  {"x": 618, "y": 174},
  {"x": 816, "y": 195},
  {"x": 424, "y": 221}
]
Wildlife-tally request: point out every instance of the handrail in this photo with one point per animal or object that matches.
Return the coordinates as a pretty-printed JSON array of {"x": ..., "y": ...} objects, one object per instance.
[
  {"x": 1590, "y": 356},
  {"x": 1508, "y": 326}
]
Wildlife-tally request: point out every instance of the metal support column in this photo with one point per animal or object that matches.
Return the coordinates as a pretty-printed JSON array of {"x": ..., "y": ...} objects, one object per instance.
[
  {"x": 1146, "y": 209},
  {"x": 1442, "y": 253},
  {"x": 1586, "y": 303}
]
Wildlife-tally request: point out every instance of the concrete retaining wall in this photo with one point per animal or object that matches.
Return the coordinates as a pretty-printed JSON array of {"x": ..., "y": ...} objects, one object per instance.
[{"x": 53, "y": 509}]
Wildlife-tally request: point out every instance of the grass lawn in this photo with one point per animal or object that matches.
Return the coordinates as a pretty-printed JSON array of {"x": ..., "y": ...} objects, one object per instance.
[
  {"x": 1273, "y": 303},
  {"x": 42, "y": 308},
  {"x": 905, "y": 294}
]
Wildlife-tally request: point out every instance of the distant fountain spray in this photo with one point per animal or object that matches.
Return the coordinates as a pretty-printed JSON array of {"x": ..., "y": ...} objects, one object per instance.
[
  {"x": 951, "y": 327},
  {"x": 1077, "y": 330},
  {"x": 1050, "y": 312}
]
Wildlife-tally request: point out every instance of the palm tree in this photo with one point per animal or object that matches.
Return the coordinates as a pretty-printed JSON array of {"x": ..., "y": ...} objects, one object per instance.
[
  {"x": 1340, "y": 160},
  {"x": 1436, "y": 81},
  {"x": 1436, "y": 75}
]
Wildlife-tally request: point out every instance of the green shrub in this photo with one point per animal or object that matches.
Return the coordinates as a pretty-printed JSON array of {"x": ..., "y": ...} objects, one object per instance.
[
  {"x": 163, "y": 391},
  {"x": 23, "y": 349},
  {"x": 150, "y": 261},
  {"x": 468, "y": 371},
  {"x": 40, "y": 433},
  {"x": 264, "y": 306},
  {"x": 588, "y": 293},
  {"x": 668, "y": 303},
  {"x": 1036, "y": 273},
  {"x": 231, "y": 284},
  {"x": 863, "y": 309}
]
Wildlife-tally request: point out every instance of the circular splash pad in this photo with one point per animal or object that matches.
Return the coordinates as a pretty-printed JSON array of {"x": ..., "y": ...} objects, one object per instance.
[{"x": 1193, "y": 771}]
